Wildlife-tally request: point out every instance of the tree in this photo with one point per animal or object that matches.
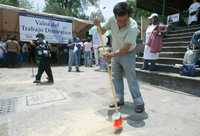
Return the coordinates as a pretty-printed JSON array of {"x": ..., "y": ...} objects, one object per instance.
[
  {"x": 9, "y": 2},
  {"x": 98, "y": 14},
  {"x": 25, "y": 4},
  {"x": 137, "y": 12},
  {"x": 17, "y": 3},
  {"x": 74, "y": 8}
]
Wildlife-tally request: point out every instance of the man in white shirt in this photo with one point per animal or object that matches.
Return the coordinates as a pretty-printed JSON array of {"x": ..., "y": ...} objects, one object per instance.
[
  {"x": 124, "y": 33},
  {"x": 193, "y": 12}
]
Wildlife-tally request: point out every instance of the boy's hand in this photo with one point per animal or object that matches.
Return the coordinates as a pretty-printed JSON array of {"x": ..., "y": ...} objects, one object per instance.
[{"x": 108, "y": 56}]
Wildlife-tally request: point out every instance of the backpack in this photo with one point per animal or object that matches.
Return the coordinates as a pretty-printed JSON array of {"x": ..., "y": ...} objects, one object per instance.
[{"x": 188, "y": 70}]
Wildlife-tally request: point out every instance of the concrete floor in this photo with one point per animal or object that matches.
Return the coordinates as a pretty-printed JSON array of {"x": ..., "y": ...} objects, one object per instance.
[{"x": 77, "y": 105}]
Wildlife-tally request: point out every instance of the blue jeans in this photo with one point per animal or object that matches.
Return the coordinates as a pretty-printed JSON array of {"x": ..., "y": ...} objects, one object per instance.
[
  {"x": 25, "y": 57},
  {"x": 79, "y": 56},
  {"x": 73, "y": 58},
  {"x": 87, "y": 58},
  {"x": 126, "y": 65}
]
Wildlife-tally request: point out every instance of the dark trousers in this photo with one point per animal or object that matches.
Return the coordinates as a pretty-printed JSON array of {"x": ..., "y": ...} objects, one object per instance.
[
  {"x": 44, "y": 65},
  {"x": 149, "y": 65},
  {"x": 12, "y": 59}
]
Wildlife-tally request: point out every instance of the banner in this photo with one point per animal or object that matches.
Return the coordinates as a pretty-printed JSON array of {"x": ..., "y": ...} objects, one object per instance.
[
  {"x": 56, "y": 30},
  {"x": 173, "y": 18}
]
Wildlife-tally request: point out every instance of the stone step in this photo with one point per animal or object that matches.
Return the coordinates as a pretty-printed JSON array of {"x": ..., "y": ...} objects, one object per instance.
[
  {"x": 172, "y": 54},
  {"x": 164, "y": 60},
  {"x": 174, "y": 49},
  {"x": 184, "y": 30},
  {"x": 176, "y": 43},
  {"x": 175, "y": 39},
  {"x": 186, "y": 27},
  {"x": 180, "y": 34},
  {"x": 166, "y": 68},
  {"x": 171, "y": 81}
]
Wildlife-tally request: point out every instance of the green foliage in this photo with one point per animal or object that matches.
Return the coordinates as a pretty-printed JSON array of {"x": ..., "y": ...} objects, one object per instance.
[
  {"x": 25, "y": 4},
  {"x": 17, "y": 3},
  {"x": 9, "y": 2},
  {"x": 137, "y": 12},
  {"x": 74, "y": 8}
]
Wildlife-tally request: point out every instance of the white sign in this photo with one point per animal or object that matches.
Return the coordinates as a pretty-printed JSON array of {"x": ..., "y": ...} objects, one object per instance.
[
  {"x": 173, "y": 18},
  {"x": 56, "y": 30}
]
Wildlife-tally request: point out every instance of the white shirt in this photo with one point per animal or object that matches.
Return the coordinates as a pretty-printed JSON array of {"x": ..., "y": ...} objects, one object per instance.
[
  {"x": 87, "y": 46},
  {"x": 95, "y": 40},
  {"x": 125, "y": 35}
]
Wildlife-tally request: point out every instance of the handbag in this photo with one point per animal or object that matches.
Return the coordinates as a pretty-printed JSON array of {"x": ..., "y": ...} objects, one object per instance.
[{"x": 155, "y": 41}]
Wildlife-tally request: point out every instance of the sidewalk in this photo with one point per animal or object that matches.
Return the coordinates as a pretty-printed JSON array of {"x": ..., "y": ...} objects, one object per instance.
[{"x": 77, "y": 105}]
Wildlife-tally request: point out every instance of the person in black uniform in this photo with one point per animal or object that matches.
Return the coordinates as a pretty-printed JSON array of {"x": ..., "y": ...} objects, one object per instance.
[{"x": 43, "y": 53}]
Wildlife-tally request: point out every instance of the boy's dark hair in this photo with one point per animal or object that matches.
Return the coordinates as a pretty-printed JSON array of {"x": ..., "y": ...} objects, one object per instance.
[
  {"x": 122, "y": 9},
  {"x": 40, "y": 35}
]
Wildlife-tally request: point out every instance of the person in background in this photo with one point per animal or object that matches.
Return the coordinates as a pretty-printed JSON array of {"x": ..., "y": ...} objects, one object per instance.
[
  {"x": 65, "y": 53},
  {"x": 193, "y": 13},
  {"x": 13, "y": 49},
  {"x": 79, "y": 45},
  {"x": 54, "y": 53},
  {"x": 43, "y": 53},
  {"x": 73, "y": 56},
  {"x": 87, "y": 53},
  {"x": 151, "y": 55},
  {"x": 2, "y": 52},
  {"x": 102, "y": 62},
  {"x": 96, "y": 44},
  {"x": 25, "y": 52},
  {"x": 195, "y": 41}
]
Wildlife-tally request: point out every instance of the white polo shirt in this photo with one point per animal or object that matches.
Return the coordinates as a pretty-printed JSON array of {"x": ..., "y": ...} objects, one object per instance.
[{"x": 125, "y": 35}]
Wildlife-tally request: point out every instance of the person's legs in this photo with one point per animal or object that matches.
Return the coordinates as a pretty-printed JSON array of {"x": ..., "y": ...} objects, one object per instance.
[
  {"x": 153, "y": 65},
  {"x": 76, "y": 60},
  {"x": 89, "y": 58},
  {"x": 96, "y": 55},
  {"x": 145, "y": 65},
  {"x": 79, "y": 56},
  {"x": 48, "y": 71},
  {"x": 70, "y": 60},
  {"x": 128, "y": 63},
  {"x": 15, "y": 58},
  {"x": 41, "y": 69},
  {"x": 117, "y": 79},
  {"x": 85, "y": 58},
  {"x": 8, "y": 58}
]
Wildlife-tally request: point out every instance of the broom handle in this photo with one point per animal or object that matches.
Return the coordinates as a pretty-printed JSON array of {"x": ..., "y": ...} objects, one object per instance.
[{"x": 109, "y": 72}]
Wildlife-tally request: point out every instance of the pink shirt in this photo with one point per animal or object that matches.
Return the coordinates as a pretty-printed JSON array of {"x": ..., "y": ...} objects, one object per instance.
[{"x": 88, "y": 46}]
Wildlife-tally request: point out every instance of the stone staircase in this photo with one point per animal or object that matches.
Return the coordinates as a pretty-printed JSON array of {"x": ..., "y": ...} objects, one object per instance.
[{"x": 175, "y": 46}]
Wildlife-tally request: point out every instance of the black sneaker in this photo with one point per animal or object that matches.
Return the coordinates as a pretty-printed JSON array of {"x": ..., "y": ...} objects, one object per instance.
[
  {"x": 119, "y": 104},
  {"x": 139, "y": 108},
  {"x": 77, "y": 70},
  {"x": 50, "y": 81},
  {"x": 36, "y": 81},
  {"x": 69, "y": 70}
]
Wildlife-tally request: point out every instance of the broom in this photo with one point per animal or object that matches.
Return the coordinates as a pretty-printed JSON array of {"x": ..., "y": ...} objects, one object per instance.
[{"x": 116, "y": 117}]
